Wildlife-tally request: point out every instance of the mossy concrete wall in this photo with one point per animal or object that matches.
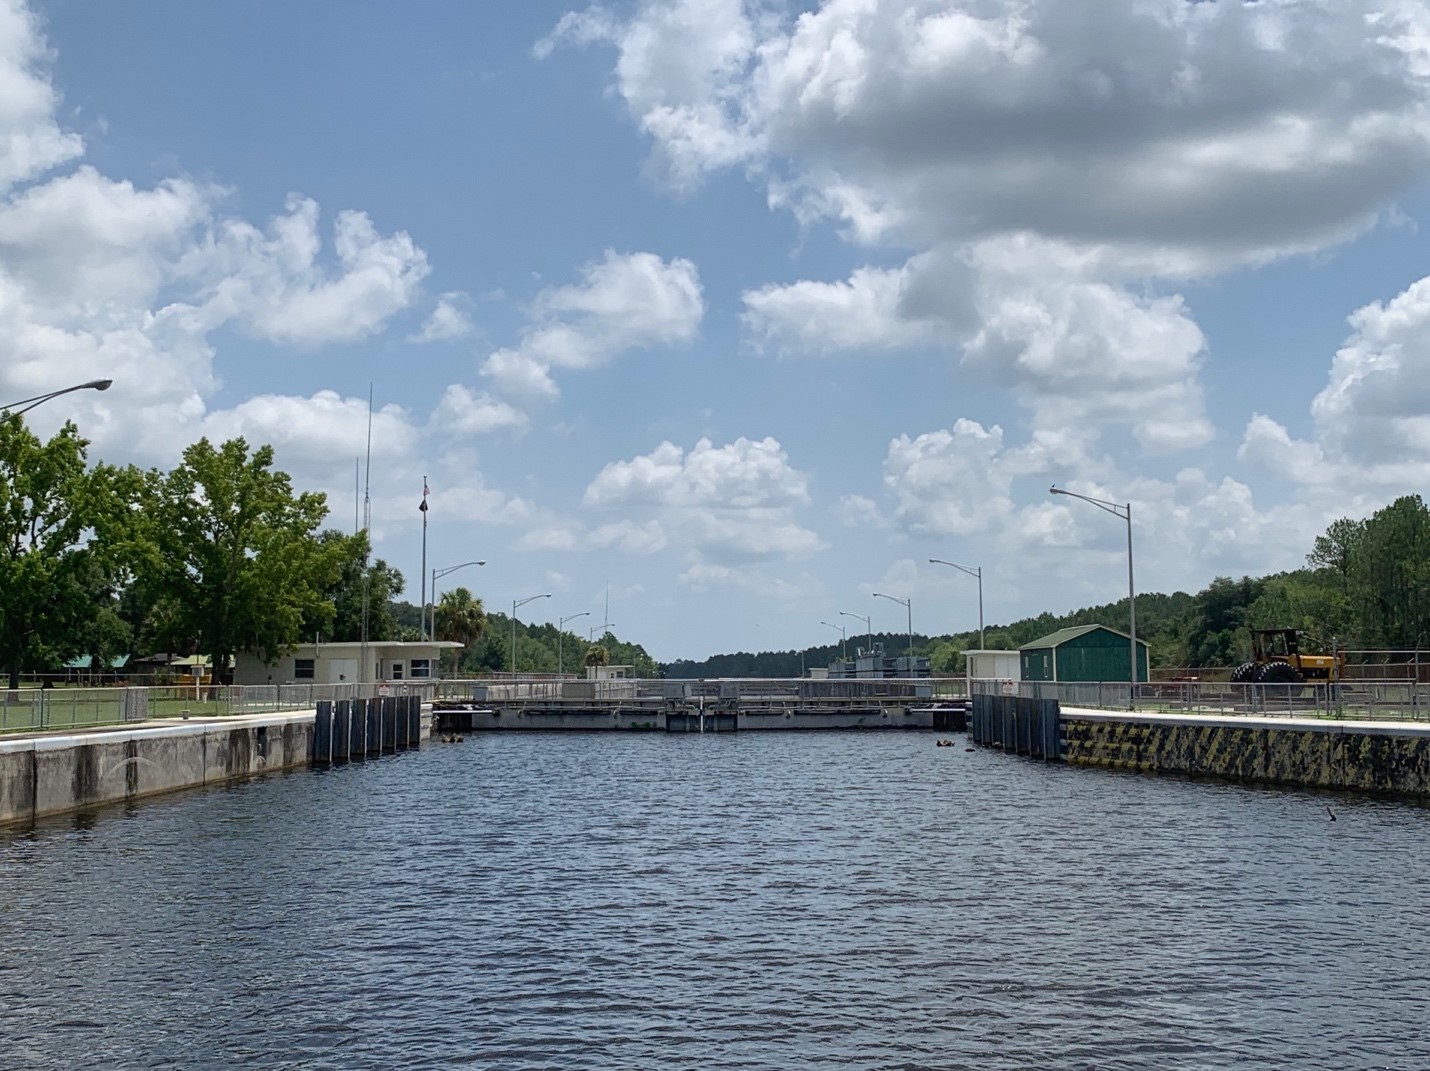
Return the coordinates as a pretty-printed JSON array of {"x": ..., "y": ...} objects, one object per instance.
[
  {"x": 47, "y": 774},
  {"x": 1383, "y": 757}
]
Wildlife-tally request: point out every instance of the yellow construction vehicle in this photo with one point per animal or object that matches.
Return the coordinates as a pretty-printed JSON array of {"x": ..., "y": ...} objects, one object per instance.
[{"x": 1276, "y": 658}]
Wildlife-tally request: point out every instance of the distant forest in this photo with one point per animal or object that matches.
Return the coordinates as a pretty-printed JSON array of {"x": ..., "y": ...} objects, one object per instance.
[{"x": 1366, "y": 586}]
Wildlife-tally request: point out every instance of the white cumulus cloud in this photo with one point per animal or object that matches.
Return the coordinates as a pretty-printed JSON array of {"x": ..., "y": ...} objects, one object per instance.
[
  {"x": 450, "y": 318},
  {"x": 731, "y": 503},
  {"x": 623, "y": 302}
]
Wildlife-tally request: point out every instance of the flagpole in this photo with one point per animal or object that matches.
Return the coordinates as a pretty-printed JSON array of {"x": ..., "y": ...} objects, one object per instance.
[{"x": 423, "y": 507}]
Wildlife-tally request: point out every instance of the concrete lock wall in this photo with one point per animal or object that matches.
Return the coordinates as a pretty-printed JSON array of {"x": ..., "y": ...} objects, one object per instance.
[
  {"x": 47, "y": 775},
  {"x": 1366, "y": 756}
]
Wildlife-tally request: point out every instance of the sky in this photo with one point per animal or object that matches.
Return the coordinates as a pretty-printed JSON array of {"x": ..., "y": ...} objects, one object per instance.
[{"x": 737, "y": 312}]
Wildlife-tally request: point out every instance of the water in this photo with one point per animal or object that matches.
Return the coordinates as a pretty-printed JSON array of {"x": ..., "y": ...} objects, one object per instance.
[{"x": 800, "y": 900}]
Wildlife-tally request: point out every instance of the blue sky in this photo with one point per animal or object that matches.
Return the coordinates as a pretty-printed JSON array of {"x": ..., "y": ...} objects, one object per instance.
[{"x": 744, "y": 310}]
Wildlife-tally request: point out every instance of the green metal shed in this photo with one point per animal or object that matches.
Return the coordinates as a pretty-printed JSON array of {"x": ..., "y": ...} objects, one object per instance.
[{"x": 1082, "y": 653}]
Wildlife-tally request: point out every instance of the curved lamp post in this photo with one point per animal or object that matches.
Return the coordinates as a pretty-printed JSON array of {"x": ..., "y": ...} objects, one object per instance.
[
  {"x": 843, "y": 643},
  {"x": 868, "y": 627},
  {"x": 1124, "y": 511},
  {"x": 974, "y": 571},
  {"x": 24, "y": 405},
  {"x": 514, "y": 605},
  {"x": 907, "y": 604},
  {"x": 561, "y": 635},
  {"x": 431, "y": 630},
  {"x": 591, "y": 635}
]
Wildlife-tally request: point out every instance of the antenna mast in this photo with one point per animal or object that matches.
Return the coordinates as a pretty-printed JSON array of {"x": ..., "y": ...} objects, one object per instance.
[{"x": 367, "y": 534}]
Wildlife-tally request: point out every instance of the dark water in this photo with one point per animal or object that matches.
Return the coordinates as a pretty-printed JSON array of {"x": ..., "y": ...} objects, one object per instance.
[{"x": 758, "y": 901}]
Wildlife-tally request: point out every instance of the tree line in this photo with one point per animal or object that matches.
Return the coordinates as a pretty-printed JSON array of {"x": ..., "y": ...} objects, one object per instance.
[
  {"x": 220, "y": 555},
  {"x": 217, "y": 556},
  {"x": 1365, "y": 586}
]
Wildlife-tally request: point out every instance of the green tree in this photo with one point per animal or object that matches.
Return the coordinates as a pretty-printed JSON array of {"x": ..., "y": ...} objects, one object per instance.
[
  {"x": 597, "y": 655},
  {"x": 1388, "y": 575},
  {"x": 459, "y": 616},
  {"x": 233, "y": 559},
  {"x": 341, "y": 620},
  {"x": 55, "y": 574}
]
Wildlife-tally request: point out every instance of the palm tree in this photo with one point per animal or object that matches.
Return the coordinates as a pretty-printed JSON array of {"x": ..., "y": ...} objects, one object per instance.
[
  {"x": 597, "y": 655},
  {"x": 460, "y": 616}
]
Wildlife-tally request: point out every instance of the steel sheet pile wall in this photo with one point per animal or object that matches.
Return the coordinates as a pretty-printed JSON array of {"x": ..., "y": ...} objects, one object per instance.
[
  {"x": 1013, "y": 723},
  {"x": 354, "y": 728}
]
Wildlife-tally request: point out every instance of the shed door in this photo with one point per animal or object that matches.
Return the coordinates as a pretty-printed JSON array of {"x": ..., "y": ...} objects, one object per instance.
[{"x": 342, "y": 670}]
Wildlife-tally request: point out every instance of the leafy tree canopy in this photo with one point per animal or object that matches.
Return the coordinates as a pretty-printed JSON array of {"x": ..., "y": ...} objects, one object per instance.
[
  {"x": 57, "y": 574},
  {"x": 234, "y": 562}
]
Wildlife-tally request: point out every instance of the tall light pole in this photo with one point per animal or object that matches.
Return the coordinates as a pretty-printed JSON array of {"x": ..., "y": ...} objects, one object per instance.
[
  {"x": 868, "y": 627},
  {"x": 591, "y": 635},
  {"x": 907, "y": 604},
  {"x": 561, "y": 635},
  {"x": 975, "y": 571},
  {"x": 843, "y": 643},
  {"x": 423, "y": 574},
  {"x": 1122, "y": 510},
  {"x": 431, "y": 629},
  {"x": 24, "y": 405},
  {"x": 514, "y": 605}
]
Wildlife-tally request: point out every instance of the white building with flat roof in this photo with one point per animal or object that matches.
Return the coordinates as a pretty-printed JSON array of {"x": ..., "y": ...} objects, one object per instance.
[
  {"x": 993, "y": 666},
  {"x": 342, "y": 663}
]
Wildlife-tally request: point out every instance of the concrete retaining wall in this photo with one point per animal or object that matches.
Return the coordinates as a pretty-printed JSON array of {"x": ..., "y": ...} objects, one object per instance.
[
  {"x": 1385, "y": 757},
  {"x": 42, "y": 775}
]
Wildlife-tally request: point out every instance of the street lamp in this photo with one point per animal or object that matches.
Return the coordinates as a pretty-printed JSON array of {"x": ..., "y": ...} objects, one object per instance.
[
  {"x": 516, "y": 603},
  {"x": 561, "y": 635},
  {"x": 907, "y": 604},
  {"x": 843, "y": 643},
  {"x": 975, "y": 571},
  {"x": 868, "y": 627},
  {"x": 591, "y": 635},
  {"x": 1123, "y": 511},
  {"x": 24, "y": 405},
  {"x": 431, "y": 628}
]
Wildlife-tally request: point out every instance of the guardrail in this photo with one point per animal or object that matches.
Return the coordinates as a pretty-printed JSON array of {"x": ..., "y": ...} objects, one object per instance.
[{"x": 1351, "y": 700}]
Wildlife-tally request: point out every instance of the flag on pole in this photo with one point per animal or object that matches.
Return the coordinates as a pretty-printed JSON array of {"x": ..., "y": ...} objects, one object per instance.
[{"x": 423, "y": 507}]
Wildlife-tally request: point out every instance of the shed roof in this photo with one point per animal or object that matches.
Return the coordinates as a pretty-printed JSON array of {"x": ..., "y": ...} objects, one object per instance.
[
  {"x": 85, "y": 661},
  {"x": 1062, "y": 635}
]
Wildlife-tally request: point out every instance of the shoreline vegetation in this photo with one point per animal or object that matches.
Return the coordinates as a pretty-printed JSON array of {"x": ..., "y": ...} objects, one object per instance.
[{"x": 221, "y": 555}]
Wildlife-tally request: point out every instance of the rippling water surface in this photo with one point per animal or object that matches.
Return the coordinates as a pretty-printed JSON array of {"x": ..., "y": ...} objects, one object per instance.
[{"x": 772, "y": 900}]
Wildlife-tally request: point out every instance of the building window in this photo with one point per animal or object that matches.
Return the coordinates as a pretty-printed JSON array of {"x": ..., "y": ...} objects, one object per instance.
[
  {"x": 397, "y": 671},
  {"x": 420, "y": 667},
  {"x": 303, "y": 669}
]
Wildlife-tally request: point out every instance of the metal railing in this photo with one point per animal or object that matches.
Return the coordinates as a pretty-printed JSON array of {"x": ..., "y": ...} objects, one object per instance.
[
  {"x": 1349, "y": 700},
  {"x": 743, "y": 690},
  {"x": 39, "y": 709}
]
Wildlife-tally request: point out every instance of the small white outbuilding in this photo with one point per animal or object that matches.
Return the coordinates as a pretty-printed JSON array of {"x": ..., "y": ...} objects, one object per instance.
[{"x": 342, "y": 663}]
